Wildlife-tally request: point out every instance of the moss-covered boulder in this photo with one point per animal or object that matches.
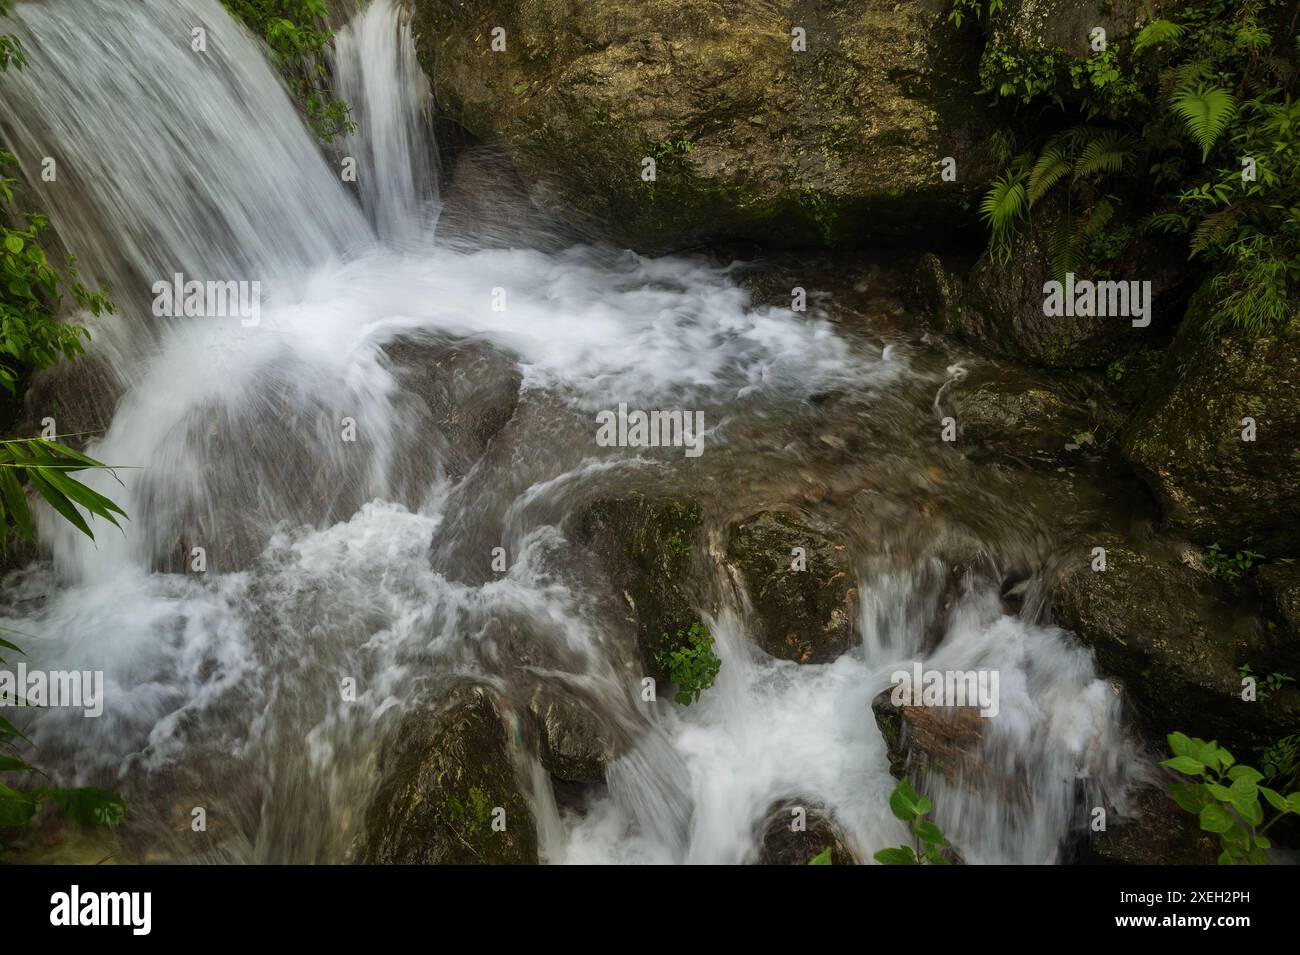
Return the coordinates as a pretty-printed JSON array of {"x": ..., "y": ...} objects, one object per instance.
[
  {"x": 1187, "y": 439},
  {"x": 805, "y": 605},
  {"x": 1176, "y": 638},
  {"x": 751, "y": 138},
  {"x": 795, "y": 831},
  {"x": 646, "y": 547},
  {"x": 444, "y": 776}
]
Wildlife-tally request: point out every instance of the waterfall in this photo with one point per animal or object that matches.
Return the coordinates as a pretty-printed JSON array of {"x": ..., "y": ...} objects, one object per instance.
[{"x": 345, "y": 532}]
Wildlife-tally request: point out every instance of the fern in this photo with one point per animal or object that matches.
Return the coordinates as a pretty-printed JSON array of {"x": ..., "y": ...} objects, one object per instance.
[
  {"x": 1157, "y": 32},
  {"x": 1065, "y": 248},
  {"x": 1109, "y": 152},
  {"x": 1215, "y": 229},
  {"x": 1003, "y": 208},
  {"x": 1206, "y": 112},
  {"x": 1051, "y": 166}
]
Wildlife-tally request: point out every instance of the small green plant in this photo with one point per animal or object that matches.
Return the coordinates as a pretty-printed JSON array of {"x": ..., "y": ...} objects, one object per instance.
[
  {"x": 928, "y": 840},
  {"x": 297, "y": 34},
  {"x": 679, "y": 546},
  {"x": 690, "y": 662},
  {"x": 1230, "y": 567},
  {"x": 1225, "y": 795},
  {"x": 1265, "y": 687},
  {"x": 1280, "y": 762}
]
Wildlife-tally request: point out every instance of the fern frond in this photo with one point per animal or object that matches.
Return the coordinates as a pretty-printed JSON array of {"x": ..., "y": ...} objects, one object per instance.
[
  {"x": 1215, "y": 229},
  {"x": 1109, "y": 152},
  {"x": 1157, "y": 32},
  {"x": 1051, "y": 166},
  {"x": 1065, "y": 248},
  {"x": 1003, "y": 207},
  {"x": 1206, "y": 112}
]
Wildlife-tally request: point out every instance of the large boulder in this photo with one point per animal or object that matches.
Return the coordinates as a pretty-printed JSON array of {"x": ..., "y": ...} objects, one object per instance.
[
  {"x": 443, "y": 776},
  {"x": 1187, "y": 439},
  {"x": 1177, "y": 639},
  {"x": 805, "y": 615},
  {"x": 841, "y": 142}
]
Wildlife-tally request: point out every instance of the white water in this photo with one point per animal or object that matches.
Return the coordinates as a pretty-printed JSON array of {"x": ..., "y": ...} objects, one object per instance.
[{"x": 331, "y": 559}]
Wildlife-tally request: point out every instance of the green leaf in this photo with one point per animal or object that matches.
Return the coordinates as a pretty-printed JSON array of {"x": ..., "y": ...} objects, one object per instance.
[
  {"x": 1180, "y": 744},
  {"x": 903, "y": 855},
  {"x": 930, "y": 833},
  {"x": 821, "y": 858},
  {"x": 1189, "y": 796},
  {"x": 10, "y": 764},
  {"x": 14, "y": 243},
  {"x": 1275, "y": 799},
  {"x": 1186, "y": 765},
  {"x": 90, "y": 806},
  {"x": 903, "y": 801},
  {"x": 1242, "y": 771},
  {"x": 1214, "y": 818}
]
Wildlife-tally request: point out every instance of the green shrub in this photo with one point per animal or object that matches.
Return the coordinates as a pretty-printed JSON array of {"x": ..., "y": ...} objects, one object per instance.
[
  {"x": 690, "y": 662},
  {"x": 1225, "y": 795},
  {"x": 297, "y": 34}
]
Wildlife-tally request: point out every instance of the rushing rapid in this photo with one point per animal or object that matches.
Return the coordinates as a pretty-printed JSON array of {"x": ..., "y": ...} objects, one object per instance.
[{"x": 346, "y": 526}]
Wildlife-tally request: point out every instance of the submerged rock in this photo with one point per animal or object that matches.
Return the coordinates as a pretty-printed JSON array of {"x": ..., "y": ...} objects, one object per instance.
[
  {"x": 468, "y": 391},
  {"x": 751, "y": 139},
  {"x": 1187, "y": 439},
  {"x": 444, "y": 774},
  {"x": 802, "y": 615},
  {"x": 781, "y": 844}
]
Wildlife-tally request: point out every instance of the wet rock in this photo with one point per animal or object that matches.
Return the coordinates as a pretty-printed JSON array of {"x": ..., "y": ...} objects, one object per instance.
[
  {"x": 467, "y": 388},
  {"x": 751, "y": 139},
  {"x": 577, "y": 743},
  {"x": 1279, "y": 587},
  {"x": 1152, "y": 831},
  {"x": 485, "y": 205},
  {"x": 926, "y": 739},
  {"x": 442, "y": 776},
  {"x": 1171, "y": 633},
  {"x": 646, "y": 545},
  {"x": 1186, "y": 441},
  {"x": 1005, "y": 415},
  {"x": 803, "y": 615},
  {"x": 1032, "y": 27},
  {"x": 781, "y": 844}
]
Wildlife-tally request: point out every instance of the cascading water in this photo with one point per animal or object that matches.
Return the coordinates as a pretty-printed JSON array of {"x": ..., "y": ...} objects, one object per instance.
[{"x": 330, "y": 559}]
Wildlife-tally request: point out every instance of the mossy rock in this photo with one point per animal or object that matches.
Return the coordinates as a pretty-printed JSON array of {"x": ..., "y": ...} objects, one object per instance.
[
  {"x": 646, "y": 546},
  {"x": 443, "y": 776},
  {"x": 802, "y": 615},
  {"x": 1176, "y": 638},
  {"x": 1186, "y": 440},
  {"x": 839, "y": 143}
]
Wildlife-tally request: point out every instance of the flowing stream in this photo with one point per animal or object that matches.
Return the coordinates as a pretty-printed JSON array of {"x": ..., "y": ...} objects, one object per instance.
[{"x": 328, "y": 558}]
